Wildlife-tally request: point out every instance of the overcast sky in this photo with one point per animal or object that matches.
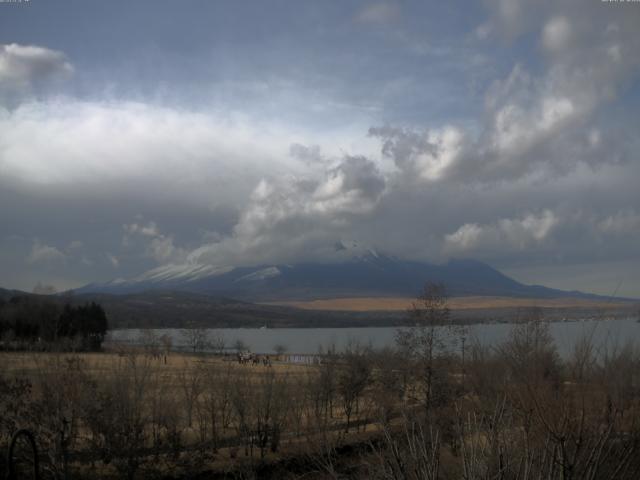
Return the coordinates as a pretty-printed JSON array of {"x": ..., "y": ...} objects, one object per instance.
[{"x": 139, "y": 134}]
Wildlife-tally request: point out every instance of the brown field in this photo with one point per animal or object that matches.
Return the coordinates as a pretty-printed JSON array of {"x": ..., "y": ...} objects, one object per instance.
[
  {"x": 367, "y": 304},
  {"x": 131, "y": 413},
  {"x": 37, "y": 363},
  {"x": 182, "y": 383}
]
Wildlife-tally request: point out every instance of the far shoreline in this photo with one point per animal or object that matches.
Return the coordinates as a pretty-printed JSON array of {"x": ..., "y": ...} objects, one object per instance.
[{"x": 337, "y": 319}]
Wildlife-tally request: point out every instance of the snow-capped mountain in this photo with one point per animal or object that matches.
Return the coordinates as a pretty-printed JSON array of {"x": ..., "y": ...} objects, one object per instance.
[{"x": 355, "y": 271}]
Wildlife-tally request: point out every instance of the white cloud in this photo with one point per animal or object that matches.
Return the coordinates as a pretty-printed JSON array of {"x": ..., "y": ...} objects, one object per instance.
[
  {"x": 494, "y": 181},
  {"x": 24, "y": 64},
  {"x": 465, "y": 238},
  {"x": 556, "y": 34},
  {"x": 525, "y": 113},
  {"x": 379, "y": 13},
  {"x": 113, "y": 260},
  {"x": 157, "y": 245},
  {"x": 75, "y": 245},
  {"x": 505, "y": 234},
  {"x": 615, "y": 53},
  {"x": 531, "y": 226},
  {"x": 298, "y": 217},
  {"x": 426, "y": 155},
  {"x": 163, "y": 250},
  {"x": 25, "y": 67},
  {"x": 534, "y": 121},
  {"x": 483, "y": 31},
  {"x": 309, "y": 154},
  {"x": 624, "y": 222},
  {"x": 594, "y": 138},
  {"x": 511, "y": 18},
  {"x": 185, "y": 159},
  {"x": 117, "y": 145},
  {"x": 41, "y": 253},
  {"x": 148, "y": 230},
  {"x": 517, "y": 130}
]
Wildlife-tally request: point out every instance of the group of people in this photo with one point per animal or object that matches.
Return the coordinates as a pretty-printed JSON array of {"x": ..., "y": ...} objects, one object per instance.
[{"x": 249, "y": 358}]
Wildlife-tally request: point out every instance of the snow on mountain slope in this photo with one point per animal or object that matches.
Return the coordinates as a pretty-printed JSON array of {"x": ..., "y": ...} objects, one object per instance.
[
  {"x": 263, "y": 274},
  {"x": 163, "y": 277},
  {"x": 184, "y": 273},
  {"x": 352, "y": 269}
]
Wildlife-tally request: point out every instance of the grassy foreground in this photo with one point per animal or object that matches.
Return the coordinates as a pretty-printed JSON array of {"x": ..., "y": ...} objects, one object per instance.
[{"x": 516, "y": 411}]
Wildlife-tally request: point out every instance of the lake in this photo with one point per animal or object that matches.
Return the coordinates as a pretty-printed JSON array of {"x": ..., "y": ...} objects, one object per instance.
[{"x": 604, "y": 333}]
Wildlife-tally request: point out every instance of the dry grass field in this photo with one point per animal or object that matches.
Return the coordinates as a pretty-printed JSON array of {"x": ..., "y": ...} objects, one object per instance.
[
  {"x": 37, "y": 363},
  {"x": 365, "y": 304},
  {"x": 179, "y": 413},
  {"x": 410, "y": 413}
]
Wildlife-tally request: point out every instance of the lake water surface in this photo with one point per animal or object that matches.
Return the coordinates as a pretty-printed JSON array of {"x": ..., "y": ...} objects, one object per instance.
[{"x": 603, "y": 333}]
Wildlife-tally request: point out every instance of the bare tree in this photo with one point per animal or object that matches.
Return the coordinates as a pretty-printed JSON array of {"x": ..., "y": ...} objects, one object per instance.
[
  {"x": 150, "y": 341},
  {"x": 280, "y": 349},
  {"x": 190, "y": 381},
  {"x": 196, "y": 338},
  {"x": 167, "y": 343},
  {"x": 218, "y": 343},
  {"x": 240, "y": 346},
  {"x": 427, "y": 339},
  {"x": 413, "y": 454},
  {"x": 117, "y": 416},
  {"x": 389, "y": 385},
  {"x": 271, "y": 397},
  {"x": 354, "y": 375},
  {"x": 243, "y": 409},
  {"x": 530, "y": 351},
  {"x": 215, "y": 408}
]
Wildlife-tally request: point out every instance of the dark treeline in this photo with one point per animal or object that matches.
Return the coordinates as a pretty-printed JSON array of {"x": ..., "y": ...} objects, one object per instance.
[{"x": 28, "y": 321}]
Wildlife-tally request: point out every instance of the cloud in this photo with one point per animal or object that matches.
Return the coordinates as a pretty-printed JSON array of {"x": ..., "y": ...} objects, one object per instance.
[
  {"x": 148, "y": 230},
  {"x": 556, "y": 34},
  {"x": 311, "y": 155},
  {"x": 535, "y": 116},
  {"x": 525, "y": 128},
  {"x": 353, "y": 186},
  {"x": 465, "y": 238},
  {"x": 113, "y": 260},
  {"x": 427, "y": 155},
  {"x": 194, "y": 158},
  {"x": 506, "y": 233},
  {"x": 75, "y": 245},
  {"x": 530, "y": 161},
  {"x": 157, "y": 245},
  {"x": 624, "y": 222},
  {"x": 164, "y": 251},
  {"x": 24, "y": 68},
  {"x": 299, "y": 218},
  {"x": 518, "y": 128},
  {"x": 41, "y": 253},
  {"x": 24, "y": 64},
  {"x": 379, "y": 13},
  {"x": 126, "y": 155},
  {"x": 534, "y": 119}
]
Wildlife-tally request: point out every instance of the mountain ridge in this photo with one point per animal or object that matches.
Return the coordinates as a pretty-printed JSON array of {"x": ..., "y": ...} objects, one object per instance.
[{"x": 367, "y": 274}]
